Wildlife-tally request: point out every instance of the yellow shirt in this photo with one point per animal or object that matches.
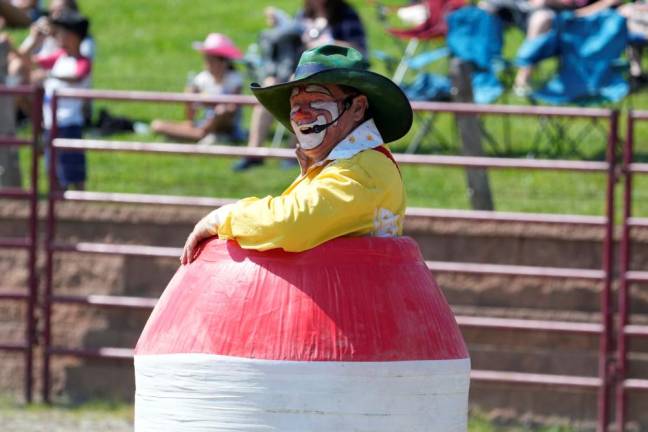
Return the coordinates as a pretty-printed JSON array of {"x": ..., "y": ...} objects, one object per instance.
[
  {"x": 362, "y": 195},
  {"x": 352, "y": 196}
]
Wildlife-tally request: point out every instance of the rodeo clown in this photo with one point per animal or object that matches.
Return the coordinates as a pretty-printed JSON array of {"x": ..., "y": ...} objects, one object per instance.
[{"x": 349, "y": 184}]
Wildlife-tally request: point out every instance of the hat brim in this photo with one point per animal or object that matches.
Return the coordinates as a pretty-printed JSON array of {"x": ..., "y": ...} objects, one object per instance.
[{"x": 390, "y": 108}]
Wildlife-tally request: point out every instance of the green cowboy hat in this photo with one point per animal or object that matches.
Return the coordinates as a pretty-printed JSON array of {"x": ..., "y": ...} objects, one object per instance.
[{"x": 332, "y": 64}]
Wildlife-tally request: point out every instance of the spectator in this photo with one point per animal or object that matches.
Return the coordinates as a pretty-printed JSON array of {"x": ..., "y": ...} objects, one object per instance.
[
  {"x": 41, "y": 42},
  {"x": 320, "y": 22},
  {"x": 534, "y": 17},
  {"x": 68, "y": 68},
  {"x": 636, "y": 15},
  {"x": 218, "y": 78}
]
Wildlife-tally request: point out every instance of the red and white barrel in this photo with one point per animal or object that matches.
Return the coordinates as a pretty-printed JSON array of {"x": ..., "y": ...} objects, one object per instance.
[{"x": 353, "y": 335}]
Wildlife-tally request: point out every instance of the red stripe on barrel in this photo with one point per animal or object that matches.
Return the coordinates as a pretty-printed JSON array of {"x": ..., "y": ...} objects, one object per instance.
[{"x": 350, "y": 299}]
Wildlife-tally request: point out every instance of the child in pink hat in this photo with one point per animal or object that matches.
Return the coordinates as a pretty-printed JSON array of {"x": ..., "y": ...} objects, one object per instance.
[
  {"x": 218, "y": 45},
  {"x": 216, "y": 122}
]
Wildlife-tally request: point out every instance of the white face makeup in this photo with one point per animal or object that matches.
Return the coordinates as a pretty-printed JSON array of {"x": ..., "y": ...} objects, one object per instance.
[{"x": 308, "y": 139}]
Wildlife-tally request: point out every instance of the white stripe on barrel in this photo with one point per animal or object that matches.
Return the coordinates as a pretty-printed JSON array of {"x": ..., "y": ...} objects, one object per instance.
[
  {"x": 221, "y": 393},
  {"x": 353, "y": 335}
]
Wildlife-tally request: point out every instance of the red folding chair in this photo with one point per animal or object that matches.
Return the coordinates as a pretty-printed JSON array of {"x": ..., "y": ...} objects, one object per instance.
[{"x": 432, "y": 26}]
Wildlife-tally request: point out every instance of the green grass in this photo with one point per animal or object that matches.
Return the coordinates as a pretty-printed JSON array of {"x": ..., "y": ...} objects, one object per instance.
[
  {"x": 147, "y": 46},
  {"x": 478, "y": 423}
]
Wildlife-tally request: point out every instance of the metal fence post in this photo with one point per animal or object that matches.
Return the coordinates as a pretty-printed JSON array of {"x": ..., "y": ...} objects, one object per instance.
[
  {"x": 605, "y": 347},
  {"x": 49, "y": 247},
  {"x": 624, "y": 266},
  {"x": 37, "y": 101}
]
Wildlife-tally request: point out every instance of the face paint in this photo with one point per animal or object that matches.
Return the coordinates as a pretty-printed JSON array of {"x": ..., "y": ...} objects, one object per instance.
[{"x": 309, "y": 141}]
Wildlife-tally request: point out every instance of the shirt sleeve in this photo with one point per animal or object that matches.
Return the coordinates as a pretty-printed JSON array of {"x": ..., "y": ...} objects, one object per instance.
[
  {"x": 48, "y": 61},
  {"x": 83, "y": 68},
  {"x": 339, "y": 201}
]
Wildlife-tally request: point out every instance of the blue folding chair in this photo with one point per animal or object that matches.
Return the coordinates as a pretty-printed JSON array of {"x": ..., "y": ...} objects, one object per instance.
[
  {"x": 477, "y": 37},
  {"x": 590, "y": 69},
  {"x": 474, "y": 36}
]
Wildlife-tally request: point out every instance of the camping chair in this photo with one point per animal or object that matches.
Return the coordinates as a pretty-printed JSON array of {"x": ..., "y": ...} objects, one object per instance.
[
  {"x": 590, "y": 71},
  {"x": 475, "y": 37},
  {"x": 431, "y": 26}
]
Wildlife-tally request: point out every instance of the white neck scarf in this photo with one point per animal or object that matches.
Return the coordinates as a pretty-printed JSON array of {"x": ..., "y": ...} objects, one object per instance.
[{"x": 365, "y": 136}]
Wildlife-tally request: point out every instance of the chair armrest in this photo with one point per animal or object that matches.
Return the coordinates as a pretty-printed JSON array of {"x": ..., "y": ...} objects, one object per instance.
[{"x": 424, "y": 59}]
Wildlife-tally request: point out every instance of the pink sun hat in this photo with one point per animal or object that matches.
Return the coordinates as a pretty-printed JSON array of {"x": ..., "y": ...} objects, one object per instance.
[{"x": 218, "y": 44}]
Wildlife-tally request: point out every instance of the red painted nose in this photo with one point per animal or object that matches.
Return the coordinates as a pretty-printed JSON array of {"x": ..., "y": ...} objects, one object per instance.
[{"x": 301, "y": 115}]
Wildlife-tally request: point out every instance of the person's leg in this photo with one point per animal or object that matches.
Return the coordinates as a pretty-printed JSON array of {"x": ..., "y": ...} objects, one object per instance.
[
  {"x": 635, "y": 15},
  {"x": 259, "y": 126},
  {"x": 183, "y": 130},
  {"x": 634, "y": 58},
  {"x": 260, "y": 123},
  {"x": 71, "y": 164},
  {"x": 220, "y": 125},
  {"x": 539, "y": 23},
  {"x": 18, "y": 74}
]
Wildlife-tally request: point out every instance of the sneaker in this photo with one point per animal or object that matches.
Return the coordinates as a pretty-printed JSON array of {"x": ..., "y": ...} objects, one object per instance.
[
  {"x": 638, "y": 81},
  {"x": 247, "y": 163}
]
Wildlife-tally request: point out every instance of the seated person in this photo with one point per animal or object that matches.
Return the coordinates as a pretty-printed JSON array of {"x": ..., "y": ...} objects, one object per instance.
[
  {"x": 218, "y": 78},
  {"x": 536, "y": 17},
  {"x": 320, "y": 22},
  {"x": 342, "y": 116}
]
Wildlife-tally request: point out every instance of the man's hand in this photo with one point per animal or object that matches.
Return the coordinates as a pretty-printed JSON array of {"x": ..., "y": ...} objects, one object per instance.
[{"x": 205, "y": 228}]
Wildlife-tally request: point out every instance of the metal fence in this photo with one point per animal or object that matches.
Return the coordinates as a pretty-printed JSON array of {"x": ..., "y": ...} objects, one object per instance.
[
  {"x": 27, "y": 242},
  {"x": 627, "y": 276},
  {"x": 600, "y": 383}
]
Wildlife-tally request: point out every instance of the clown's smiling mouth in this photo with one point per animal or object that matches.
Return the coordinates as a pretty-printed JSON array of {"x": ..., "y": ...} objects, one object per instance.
[{"x": 309, "y": 129}]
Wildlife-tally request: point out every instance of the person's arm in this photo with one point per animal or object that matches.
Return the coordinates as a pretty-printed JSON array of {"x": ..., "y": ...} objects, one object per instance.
[
  {"x": 223, "y": 113},
  {"x": 205, "y": 228},
  {"x": 338, "y": 201},
  {"x": 596, "y": 7},
  {"x": 38, "y": 31},
  {"x": 80, "y": 72},
  {"x": 13, "y": 16}
]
